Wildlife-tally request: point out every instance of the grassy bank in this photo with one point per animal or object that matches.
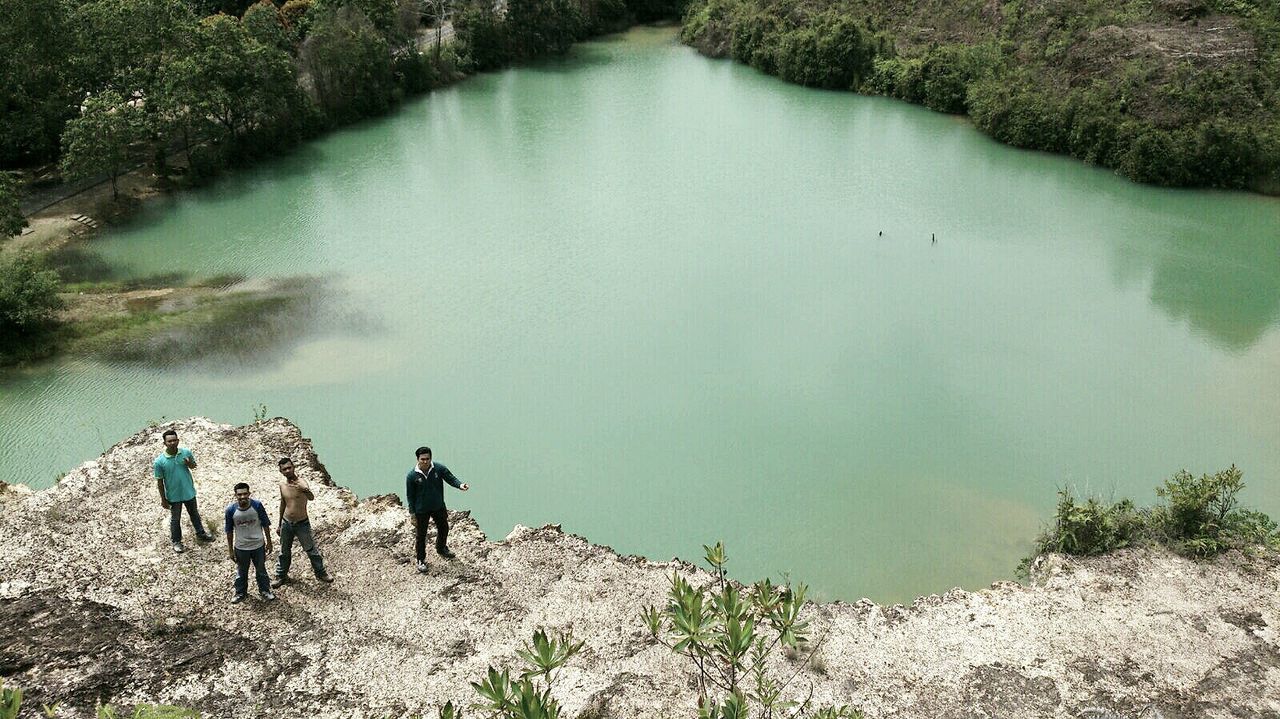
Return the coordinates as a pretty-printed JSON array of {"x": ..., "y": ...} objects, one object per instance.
[
  {"x": 1179, "y": 93},
  {"x": 74, "y": 303}
]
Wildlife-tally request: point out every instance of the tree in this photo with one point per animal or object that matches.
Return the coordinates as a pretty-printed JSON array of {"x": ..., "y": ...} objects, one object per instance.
[
  {"x": 383, "y": 14},
  {"x": 349, "y": 63},
  {"x": 539, "y": 27},
  {"x": 436, "y": 13},
  {"x": 11, "y": 219},
  {"x": 483, "y": 35},
  {"x": 409, "y": 14},
  {"x": 239, "y": 82},
  {"x": 178, "y": 102},
  {"x": 36, "y": 94},
  {"x": 122, "y": 44},
  {"x": 99, "y": 141},
  {"x": 28, "y": 303},
  {"x": 295, "y": 14},
  {"x": 263, "y": 22}
]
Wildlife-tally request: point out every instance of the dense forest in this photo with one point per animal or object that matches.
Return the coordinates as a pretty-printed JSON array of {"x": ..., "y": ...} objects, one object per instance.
[
  {"x": 1170, "y": 92},
  {"x": 91, "y": 83}
]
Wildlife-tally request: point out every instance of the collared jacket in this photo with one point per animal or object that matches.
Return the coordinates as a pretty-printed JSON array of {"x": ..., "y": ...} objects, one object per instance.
[{"x": 425, "y": 493}]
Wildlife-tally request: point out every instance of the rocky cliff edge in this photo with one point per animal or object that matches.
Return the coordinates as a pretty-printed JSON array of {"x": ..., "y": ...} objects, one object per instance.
[{"x": 95, "y": 607}]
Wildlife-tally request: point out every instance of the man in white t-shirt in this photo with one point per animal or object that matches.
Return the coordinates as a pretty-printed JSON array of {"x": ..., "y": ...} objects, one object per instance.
[{"x": 248, "y": 540}]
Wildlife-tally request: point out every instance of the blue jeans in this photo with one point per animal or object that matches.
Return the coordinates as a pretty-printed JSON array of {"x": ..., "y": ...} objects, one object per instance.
[
  {"x": 175, "y": 519},
  {"x": 302, "y": 531},
  {"x": 259, "y": 558}
]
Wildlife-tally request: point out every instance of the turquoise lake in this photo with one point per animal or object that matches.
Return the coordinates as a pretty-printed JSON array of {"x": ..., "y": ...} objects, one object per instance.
[{"x": 664, "y": 300}]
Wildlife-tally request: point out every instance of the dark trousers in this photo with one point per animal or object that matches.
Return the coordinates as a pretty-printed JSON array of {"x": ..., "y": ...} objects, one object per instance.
[
  {"x": 175, "y": 519},
  {"x": 302, "y": 532},
  {"x": 259, "y": 558},
  {"x": 441, "y": 516}
]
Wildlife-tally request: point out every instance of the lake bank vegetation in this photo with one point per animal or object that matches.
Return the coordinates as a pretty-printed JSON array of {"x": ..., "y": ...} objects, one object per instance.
[
  {"x": 1182, "y": 93},
  {"x": 1197, "y": 517},
  {"x": 70, "y": 300}
]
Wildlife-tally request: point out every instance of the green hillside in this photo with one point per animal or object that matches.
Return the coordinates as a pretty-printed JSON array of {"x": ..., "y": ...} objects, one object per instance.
[{"x": 1171, "y": 92}]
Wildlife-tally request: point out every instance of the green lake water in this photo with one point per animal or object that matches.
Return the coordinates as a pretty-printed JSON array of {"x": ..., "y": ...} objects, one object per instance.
[{"x": 644, "y": 294}]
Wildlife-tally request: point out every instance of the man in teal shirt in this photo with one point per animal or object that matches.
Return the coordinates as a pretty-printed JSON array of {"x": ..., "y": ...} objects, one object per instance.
[{"x": 177, "y": 489}]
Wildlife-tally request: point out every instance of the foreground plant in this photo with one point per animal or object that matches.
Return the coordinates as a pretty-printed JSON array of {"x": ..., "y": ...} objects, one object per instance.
[
  {"x": 10, "y": 702},
  {"x": 1202, "y": 517},
  {"x": 527, "y": 695},
  {"x": 730, "y": 637}
]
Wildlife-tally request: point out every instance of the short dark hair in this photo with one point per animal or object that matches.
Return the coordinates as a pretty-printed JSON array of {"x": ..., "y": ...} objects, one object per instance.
[
  {"x": 284, "y": 460},
  {"x": 168, "y": 432},
  {"x": 421, "y": 451},
  {"x": 242, "y": 485}
]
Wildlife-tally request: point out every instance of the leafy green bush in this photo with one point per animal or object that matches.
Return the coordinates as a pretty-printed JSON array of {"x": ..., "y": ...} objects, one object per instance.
[
  {"x": 28, "y": 303},
  {"x": 1201, "y": 515},
  {"x": 543, "y": 27},
  {"x": 939, "y": 80},
  {"x": 730, "y": 637},
  {"x": 830, "y": 51},
  {"x": 1091, "y": 526},
  {"x": 1198, "y": 516}
]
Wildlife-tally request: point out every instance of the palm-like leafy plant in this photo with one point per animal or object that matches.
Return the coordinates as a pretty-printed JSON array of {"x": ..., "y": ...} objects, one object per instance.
[{"x": 729, "y": 636}]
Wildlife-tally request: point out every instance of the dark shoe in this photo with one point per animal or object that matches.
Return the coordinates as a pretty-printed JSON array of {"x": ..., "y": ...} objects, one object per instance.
[
  {"x": 206, "y": 537},
  {"x": 446, "y": 553},
  {"x": 326, "y": 578},
  {"x": 237, "y": 599},
  {"x": 268, "y": 597},
  {"x": 280, "y": 581},
  {"x": 422, "y": 567}
]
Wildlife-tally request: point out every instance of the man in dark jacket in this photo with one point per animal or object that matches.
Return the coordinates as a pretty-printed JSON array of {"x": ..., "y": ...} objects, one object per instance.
[{"x": 424, "y": 495}]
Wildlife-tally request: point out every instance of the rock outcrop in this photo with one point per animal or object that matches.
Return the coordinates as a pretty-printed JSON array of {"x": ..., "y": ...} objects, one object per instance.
[{"x": 95, "y": 607}]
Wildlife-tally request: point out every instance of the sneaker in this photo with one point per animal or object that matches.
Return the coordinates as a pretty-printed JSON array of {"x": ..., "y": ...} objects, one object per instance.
[
  {"x": 178, "y": 548},
  {"x": 268, "y": 597},
  {"x": 280, "y": 581},
  {"x": 326, "y": 578},
  {"x": 206, "y": 537},
  {"x": 422, "y": 567},
  {"x": 446, "y": 553},
  {"x": 237, "y": 599}
]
